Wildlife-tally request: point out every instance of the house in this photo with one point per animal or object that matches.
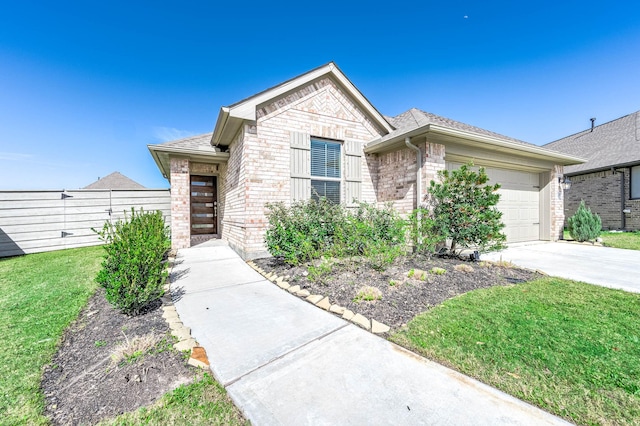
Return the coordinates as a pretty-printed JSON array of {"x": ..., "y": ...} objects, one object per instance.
[
  {"x": 609, "y": 181},
  {"x": 115, "y": 180},
  {"x": 318, "y": 133}
]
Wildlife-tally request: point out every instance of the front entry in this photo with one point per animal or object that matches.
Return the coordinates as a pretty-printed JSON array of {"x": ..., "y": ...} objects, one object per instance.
[{"x": 204, "y": 205}]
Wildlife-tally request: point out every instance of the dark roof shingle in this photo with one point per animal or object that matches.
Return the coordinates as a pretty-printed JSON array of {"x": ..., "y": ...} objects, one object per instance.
[
  {"x": 610, "y": 144},
  {"x": 416, "y": 118}
]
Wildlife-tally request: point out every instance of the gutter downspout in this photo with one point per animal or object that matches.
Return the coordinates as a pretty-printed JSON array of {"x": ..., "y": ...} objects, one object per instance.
[{"x": 407, "y": 142}]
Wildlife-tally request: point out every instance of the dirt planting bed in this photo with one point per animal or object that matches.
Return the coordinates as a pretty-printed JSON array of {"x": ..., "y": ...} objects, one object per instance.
[
  {"x": 83, "y": 384},
  {"x": 409, "y": 286}
]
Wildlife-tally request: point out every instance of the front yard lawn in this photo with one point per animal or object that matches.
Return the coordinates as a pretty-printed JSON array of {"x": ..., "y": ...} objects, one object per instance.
[
  {"x": 40, "y": 294},
  {"x": 568, "y": 347},
  {"x": 623, "y": 240}
]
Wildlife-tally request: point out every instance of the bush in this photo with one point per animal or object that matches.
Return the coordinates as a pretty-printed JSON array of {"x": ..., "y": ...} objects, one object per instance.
[
  {"x": 302, "y": 231},
  {"x": 464, "y": 209},
  {"x": 424, "y": 233},
  {"x": 377, "y": 233},
  {"x": 133, "y": 271},
  {"x": 584, "y": 225},
  {"x": 311, "y": 229}
]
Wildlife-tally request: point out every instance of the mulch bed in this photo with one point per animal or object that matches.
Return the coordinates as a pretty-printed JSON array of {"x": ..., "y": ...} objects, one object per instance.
[
  {"x": 82, "y": 385},
  {"x": 402, "y": 297}
]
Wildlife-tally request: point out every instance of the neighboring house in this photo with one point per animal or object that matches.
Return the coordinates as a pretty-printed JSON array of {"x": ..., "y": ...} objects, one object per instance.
[
  {"x": 609, "y": 181},
  {"x": 115, "y": 180},
  {"x": 318, "y": 133}
]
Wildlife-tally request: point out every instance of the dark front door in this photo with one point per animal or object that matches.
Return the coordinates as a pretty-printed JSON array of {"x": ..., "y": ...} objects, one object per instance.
[{"x": 204, "y": 205}]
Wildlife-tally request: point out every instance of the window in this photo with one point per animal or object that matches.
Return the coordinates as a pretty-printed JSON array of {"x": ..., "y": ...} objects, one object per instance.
[
  {"x": 635, "y": 182},
  {"x": 326, "y": 171}
]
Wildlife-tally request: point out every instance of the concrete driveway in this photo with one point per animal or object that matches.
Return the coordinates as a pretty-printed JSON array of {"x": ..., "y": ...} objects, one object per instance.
[{"x": 604, "y": 266}]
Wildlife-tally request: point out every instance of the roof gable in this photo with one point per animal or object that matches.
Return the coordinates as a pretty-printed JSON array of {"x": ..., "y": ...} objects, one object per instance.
[
  {"x": 231, "y": 118},
  {"x": 614, "y": 143},
  {"x": 115, "y": 180}
]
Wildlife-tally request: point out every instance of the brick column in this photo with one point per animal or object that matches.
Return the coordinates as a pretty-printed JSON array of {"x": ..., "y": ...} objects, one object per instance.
[
  {"x": 557, "y": 204},
  {"x": 432, "y": 163},
  {"x": 180, "y": 204}
]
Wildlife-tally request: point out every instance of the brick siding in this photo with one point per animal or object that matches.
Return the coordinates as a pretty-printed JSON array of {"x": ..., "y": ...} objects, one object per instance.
[{"x": 602, "y": 193}]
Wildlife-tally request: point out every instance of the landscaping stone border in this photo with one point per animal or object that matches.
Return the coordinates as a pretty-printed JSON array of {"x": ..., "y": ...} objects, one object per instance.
[
  {"x": 323, "y": 302},
  {"x": 198, "y": 356}
]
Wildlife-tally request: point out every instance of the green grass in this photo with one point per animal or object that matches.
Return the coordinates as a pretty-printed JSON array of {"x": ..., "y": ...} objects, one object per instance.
[
  {"x": 622, "y": 240},
  {"x": 40, "y": 294},
  {"x": 204, "y": 402},
  {"x": 568, "y": 347}
]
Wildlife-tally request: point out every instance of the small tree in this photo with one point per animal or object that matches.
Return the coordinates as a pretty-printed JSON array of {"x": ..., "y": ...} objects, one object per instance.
[
  {"x": 584, "y": 225},
  {"x": 464, "y": 209}
]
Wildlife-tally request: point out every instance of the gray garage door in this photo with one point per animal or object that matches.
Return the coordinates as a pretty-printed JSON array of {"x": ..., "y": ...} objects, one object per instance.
[{"x": 519, "y": 202}]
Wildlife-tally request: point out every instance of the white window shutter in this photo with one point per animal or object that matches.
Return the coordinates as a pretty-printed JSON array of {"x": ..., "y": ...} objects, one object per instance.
[
  {"x": 353, "y": 171},
  {"x": 300, "y": 166}
]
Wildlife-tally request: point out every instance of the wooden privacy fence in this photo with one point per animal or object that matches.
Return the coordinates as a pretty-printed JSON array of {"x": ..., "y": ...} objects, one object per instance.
[{"x": 37, "y": 221}]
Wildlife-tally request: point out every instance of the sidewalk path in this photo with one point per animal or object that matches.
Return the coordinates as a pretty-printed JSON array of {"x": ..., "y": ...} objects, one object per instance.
[{"x": 287, "y": 362}]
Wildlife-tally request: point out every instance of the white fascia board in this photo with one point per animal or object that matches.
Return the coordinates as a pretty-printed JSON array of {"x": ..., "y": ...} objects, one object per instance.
[
  {"x": 487, "y": 141},
  {"x": 506, "y": 144},
  {"x": 223, "y": 116}
]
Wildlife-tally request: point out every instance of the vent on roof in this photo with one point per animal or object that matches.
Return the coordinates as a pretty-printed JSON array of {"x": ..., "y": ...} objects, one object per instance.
[{"x": 593, "y": 120}]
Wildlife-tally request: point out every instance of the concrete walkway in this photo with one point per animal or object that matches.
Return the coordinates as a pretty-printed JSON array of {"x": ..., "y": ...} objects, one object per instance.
[
  {"x": 604, "y": 266},
  {"x": 285, "y": 361}
]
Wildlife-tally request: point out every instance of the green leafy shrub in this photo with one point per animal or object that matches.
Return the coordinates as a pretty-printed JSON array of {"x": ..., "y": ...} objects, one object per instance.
[
  {"x": 133, "y": 271},
  {"x": 424, "y": 233},
  {"x": 584, "y": 225},
  {"x": 464, "y": 209},
  {"x": 311, "y": 229},
  {"x": 302, "y": 231}
]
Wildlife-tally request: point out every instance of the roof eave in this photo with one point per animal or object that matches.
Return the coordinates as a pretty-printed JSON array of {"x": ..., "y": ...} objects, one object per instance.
[
  {"x": 468, "y": 138},
  {"x": 191, "y": 153},
  {"x": 154, "y": 154}
]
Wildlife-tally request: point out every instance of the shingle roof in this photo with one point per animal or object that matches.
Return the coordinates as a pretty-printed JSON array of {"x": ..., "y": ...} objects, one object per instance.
[
  {"x": 416, "y": 118},
  {"x": 610, "y": 144},
  {"x": 192, "y": 142},
  {"x": 115, "y": 180}
]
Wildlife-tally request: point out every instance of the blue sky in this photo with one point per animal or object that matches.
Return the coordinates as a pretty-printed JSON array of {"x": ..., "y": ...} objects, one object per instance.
[{"x": 86, "y": 86}]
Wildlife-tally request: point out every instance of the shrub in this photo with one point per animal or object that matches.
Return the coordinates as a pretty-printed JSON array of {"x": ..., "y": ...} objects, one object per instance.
[
  {"x": 310, "y": 229},
  {"x": 302, "y": 231},
  {"x": 424, "y": 233},
  {"x": 464, "y": 209},
  {"x": 133, "y": 271},
  {"x": 584, "y": 225}
]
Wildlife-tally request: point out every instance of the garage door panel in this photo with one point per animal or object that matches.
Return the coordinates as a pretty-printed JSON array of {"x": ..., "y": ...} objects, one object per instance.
[{"x": 519, "y": 202}]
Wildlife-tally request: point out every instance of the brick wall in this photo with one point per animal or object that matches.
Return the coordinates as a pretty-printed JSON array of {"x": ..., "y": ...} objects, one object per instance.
[
  {"x": 433, "y": 162},
  {"x": 600, "y": 192},
  {"x": 180, "y": 208},
  {"x": 319, "y": 109},
  {"x": 233, "y": 186}
]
